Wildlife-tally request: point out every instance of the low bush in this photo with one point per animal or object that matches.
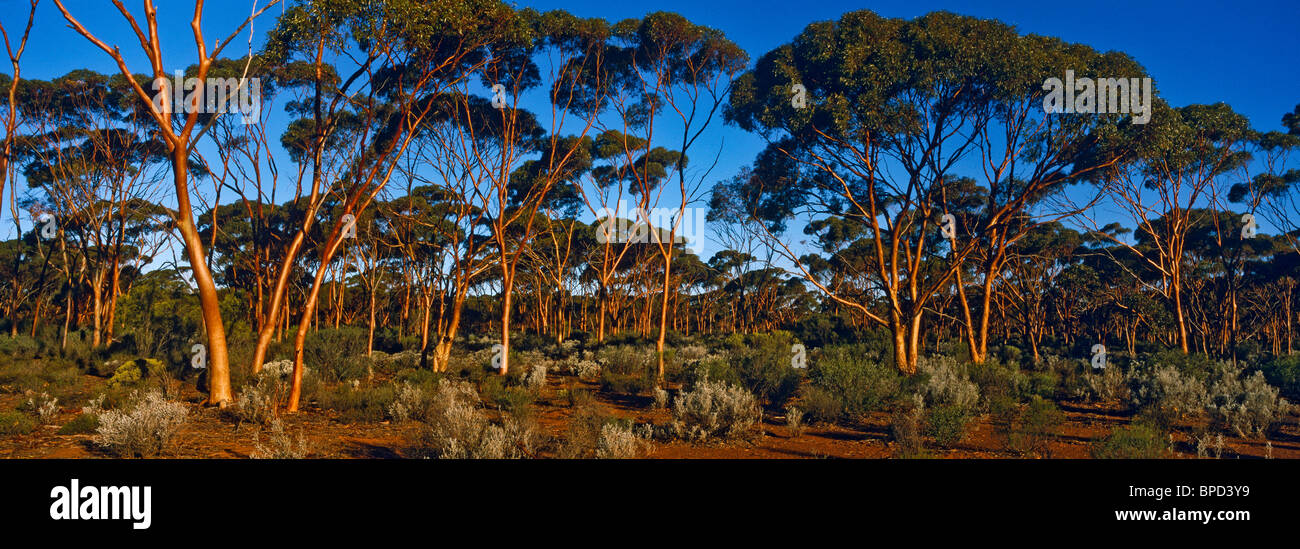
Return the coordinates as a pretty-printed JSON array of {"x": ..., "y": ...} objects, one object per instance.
[
  {"x": 257, "y": 401},
  {"x": 714, "y": 410},
  {"x": 338, "y": 354},
  {"x": 1245, "y": 405},
  {"x": 905, "y": 426},
  {"x": 856, "y": 384},
  {"x": 458, "y": 429},
  {"x": 947, "y": 383},
  {"x": 1283, "y": 372},
  {"x": 280, "y": 445},
  {"x": 617, "y": 441},
  {"x": 583, "y": 433},
  {"x": 946, "y": 424},
  {"x": 16, "y": 423},
  {"x": 1033, "y": 431},
  {"x": 1168, "y": 388},
  {"x": 1134, "y": 441},
  {"x": 355, "y": 404},
  {"x": 144, "y": 431},
  {"x": 794, "y": 421},
  {"x": 42, "y": 406},
  {"x": 82, "y": 424},
  {"x": 820, "y": 405}
]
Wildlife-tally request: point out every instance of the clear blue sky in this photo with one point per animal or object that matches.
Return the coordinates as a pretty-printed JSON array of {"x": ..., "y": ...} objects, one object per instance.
[{"x": 1198, "y": 51}]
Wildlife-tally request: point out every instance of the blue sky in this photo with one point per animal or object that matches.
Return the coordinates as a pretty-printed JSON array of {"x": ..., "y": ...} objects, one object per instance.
[{"x": 1197, "y": 51}]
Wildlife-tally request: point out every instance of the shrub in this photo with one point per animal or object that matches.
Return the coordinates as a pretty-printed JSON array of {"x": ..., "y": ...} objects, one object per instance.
[
  {"x": 947, "y": 424},
  {"x": 359, "y": 403},
  {"x": 20, "y": 346},
  {"x": 1108, "y": 385},
  {"x": 132, "y": 372},
  {"x": 820, "y": 405},
  {"x": 1034, "y": 431},
  {"x": 16, "y": 423},
  {"x": 144, "y": 431},
  {"x": 625, "y": 384},
  {"x": 617, "y": 441},
  {"x": 994, "y": 379},
  {"x": 411, "y": 402},
  {"x": 257, "y": 401},
  {"x": 43, "y": 406},
  {"x": 84, "y": 423},
  {"x": 515, "y": 400},
  {"x": 535, "y": 380},
  {"x": 1134, "y": 441},
  {"x": 458, "y": 429},
  {"x": 281, "y": 445},
  {"x": 714, "y": 409},
  {"x": 587, "y": 370},
  {"x": 905, "y": 428},
  {"x": 762, "y": 363},
  {"x": 794, "y": 421},
  {"x": 1167, "y": 388},
  {"x": 857, "y": 384},
  {"x": 1283, "y": 372},
  {"x": 338, "y": 354},
  {"x": 1004, "y": 409},
  {"x": 661, "y": 398},
  {"x": 583, "y": 433},
  {"x": 1246, "y": 405},
  {"x": 948, "y": 383}
]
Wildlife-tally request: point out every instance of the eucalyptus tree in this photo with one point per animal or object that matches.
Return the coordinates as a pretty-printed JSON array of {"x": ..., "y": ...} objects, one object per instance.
[
  {"x": 1181, "y": 161},
  {"x": 867, "y": 119},
  {"x": 10, "y": 83},
  {"x": 662, "y": 69},
  {"x": 92, "y": 154},
  {"x": 517, "y": 189},
  {"x": 178, "y": 134}
]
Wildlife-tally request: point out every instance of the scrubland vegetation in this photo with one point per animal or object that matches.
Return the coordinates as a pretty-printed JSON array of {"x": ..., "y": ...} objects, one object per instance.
[
  {"x": 419, "y": 254},
  {"x": 720, "y": 394}
]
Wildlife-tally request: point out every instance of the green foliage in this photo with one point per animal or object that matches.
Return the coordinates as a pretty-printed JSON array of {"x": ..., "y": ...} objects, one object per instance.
[
  {"x": 1134, "y": 441},
  {"x": 359, "y": 403},
  {"x": 16, "y": 423},
  {"x": 856, "y": 384},
  {"x": 132, "y": 372},
  {"x": 1034, "y": 429},
  {"x": 820, "y": 405},
  {"x": 20, "y": 346},
  {"x": 338, "y": 354},
  {"x": 762, "y": 364},
  {"x": 515, "y": 400},
  {"x": 1283, "y": 372},
  {"x": 84, "y": 423},
  {"x": 947, "y": 424}
]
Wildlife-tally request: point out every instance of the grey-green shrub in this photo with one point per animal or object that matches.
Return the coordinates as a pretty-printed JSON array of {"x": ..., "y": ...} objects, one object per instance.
[
  {"x": 948, "y": 383},
  {"x": 281, "y": 445},
  {"x": 146, "y": 430},
  {"x": 257, "y": 401},
  {"x": 1246, "y": 405},
  {"x": 617, "y": 441},
  {"x": 457, "y": 428},
  {"x": 1167, "y": 388},
  {"x": 714, "y": 409}
]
